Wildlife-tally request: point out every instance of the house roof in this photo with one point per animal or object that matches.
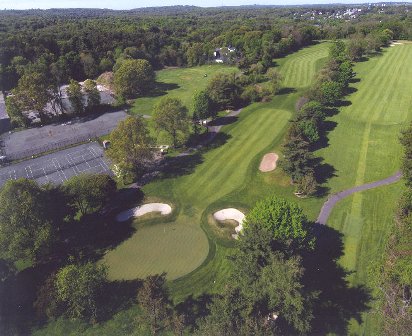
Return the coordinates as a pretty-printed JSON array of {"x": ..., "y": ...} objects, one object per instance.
[{"x": 3, "y": 112}]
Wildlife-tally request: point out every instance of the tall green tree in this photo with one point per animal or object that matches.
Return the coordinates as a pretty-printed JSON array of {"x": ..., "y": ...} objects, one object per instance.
[
  {"x": 26, "y": 222},
  {"x": 93, "y": 94},
  {"x": 79, "y": 288},
  {"x": 133, "y": 78},
  {"x": 406, "y": 141},
  {"x": 170, "y": 116},
  {"x": 201, "y": 105},
  {"x": 74, "y": 92},
  {"x": 275, "y": 80},
  {"x": 155, "y": 303},
  {"x": 264, "y": 294},
  {"x": 297, "y": 160},
  {"x": 17, "y": 118},
  {"x": 224, "y": 91},
  {"x": 285, "y": 220},
  {"x": 33, "y": 92},
  {"x": 131, "y": 146},
  {"x": 89, "y": 193}
]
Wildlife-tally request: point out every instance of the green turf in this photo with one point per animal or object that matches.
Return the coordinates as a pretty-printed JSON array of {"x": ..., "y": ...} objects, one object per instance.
[
  {"x": 180, "y": 83},
  {"x": 365, "y": 147},
  {"x": 225, "y": 175},
  {"x": 299, "y": 68},
  {"x": 222, "y": 177}
]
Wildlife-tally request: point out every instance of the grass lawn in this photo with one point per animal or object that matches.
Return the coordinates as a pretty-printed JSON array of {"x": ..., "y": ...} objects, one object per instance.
[
  {"x": 298, "y": 68},
  {"x": 179, "y": 83},
  {"x": 224, "y": 176},
  {"x": 228, "y": 175},
  {"x": 365, "y": 147}
]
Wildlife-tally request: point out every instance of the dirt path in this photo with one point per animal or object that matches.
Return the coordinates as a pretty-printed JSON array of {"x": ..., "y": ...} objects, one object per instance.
[{"x": 333, "y": 199}]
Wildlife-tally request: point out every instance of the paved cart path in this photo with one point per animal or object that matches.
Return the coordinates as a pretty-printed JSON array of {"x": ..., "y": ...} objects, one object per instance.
[{"x": 333, "y": 199}]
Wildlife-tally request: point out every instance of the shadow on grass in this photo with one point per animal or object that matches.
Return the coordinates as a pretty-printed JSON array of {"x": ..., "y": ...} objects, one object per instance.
[
  {"x": 326, "y": 127},
  {"x": 222, "y": 121},
  {"x": 160, "y": 89},
  {"x": 118, "y": 296},
  {"x": 338, "y": 302},
  {"x": 323, "y": 171},
  {"x": 194, "y": 309},
  {"x": 17, "y": 294},
  {"x": 181, "y": 165},
  {"x": 286, "y": 90}
]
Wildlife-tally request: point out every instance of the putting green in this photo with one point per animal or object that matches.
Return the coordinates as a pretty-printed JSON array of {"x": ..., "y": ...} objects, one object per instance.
[{"x": 154, "y": 248}]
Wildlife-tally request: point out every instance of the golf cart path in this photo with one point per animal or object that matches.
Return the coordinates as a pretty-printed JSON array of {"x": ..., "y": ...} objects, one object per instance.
[{"x": 333, "y": 199}]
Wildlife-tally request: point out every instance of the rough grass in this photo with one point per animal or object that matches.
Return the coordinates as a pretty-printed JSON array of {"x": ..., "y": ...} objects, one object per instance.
[
  {"x": 365, "y": 147},
  {"x": 179, "y": 83}
]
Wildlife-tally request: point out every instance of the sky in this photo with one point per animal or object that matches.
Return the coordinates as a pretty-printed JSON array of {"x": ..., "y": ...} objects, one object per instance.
[{"x": 129, "y": 4}]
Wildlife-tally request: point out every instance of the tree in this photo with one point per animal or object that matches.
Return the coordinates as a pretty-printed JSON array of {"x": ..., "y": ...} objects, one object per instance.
[
  {"x": 89, "y": 64},
  {"x": 133, "y": 77},
  {"x": 170, "y": 116},
  {"x": 406, "y": 141},
  {"x": 307, "y": 185},
  {"x": 74, "y": 92},
  {"x": 131, "y": 146},
  {"x": 154, "y": 301},
  {"x": 17, "y": 118},
  {"x": 337, "y": 49},
  {"x": 297, "y": 156},
  {"x": 224, "y": 90},
  {"x": 328, "y": 92},
  {"x": 26, "y": 223},
  {"x": 33, "y": 92},
  {"x": 264, "y": 294},
  {"x": 79, "y": 288},
  {"x": 311, "y": 110},
  {"x": 275, "y": 80},
  {"x": 93, "y": 94},
  {"x": 284, "y": 219},
  {"x": 356, "y": 47},
  {"x": 201, "y": 105},
  {"x": 89, "y": 193},
  {"x": 309, "y": 129}
]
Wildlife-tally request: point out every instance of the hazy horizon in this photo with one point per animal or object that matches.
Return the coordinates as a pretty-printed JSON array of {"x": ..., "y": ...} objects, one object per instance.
[{"x": 127, "y": 4}]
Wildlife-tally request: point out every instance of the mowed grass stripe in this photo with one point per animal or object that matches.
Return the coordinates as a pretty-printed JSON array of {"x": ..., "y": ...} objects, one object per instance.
[
  {"x": 375, "y": 101},
  {"x": 299, "y": 69},
  {"x": 230, "y": 163},
  {"x": 369, "y": 130}
]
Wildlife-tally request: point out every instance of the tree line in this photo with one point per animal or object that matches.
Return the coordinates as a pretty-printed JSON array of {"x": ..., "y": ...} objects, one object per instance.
[
  {"x": 307, "y": 128},
  {"x": 392, "y": 275}
]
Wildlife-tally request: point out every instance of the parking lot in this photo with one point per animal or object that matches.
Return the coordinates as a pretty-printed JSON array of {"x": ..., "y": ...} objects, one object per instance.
[
  {"x": 33, "y": 141},
  {"x": 58, "y": 167}
]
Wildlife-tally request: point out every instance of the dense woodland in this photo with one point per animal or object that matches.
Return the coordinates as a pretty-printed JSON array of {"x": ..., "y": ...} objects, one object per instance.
[{"x": 84, "y": 43}]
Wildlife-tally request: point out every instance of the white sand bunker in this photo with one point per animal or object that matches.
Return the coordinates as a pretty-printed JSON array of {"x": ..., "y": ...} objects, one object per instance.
[
  {"x": 144, "y": 209},
  {"x": 268, "y": 162},
  {"x": 233, "y": 214},
  {"x": 395, "y": 43}
]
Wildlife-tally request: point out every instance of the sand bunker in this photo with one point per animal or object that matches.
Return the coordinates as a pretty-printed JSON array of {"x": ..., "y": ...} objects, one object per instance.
[
  {"x": 395, "y": 43},
  {"x": 268, "y": 162},
  {"x": 233, "y": 214},
  {"x": 164, "y": 209}
]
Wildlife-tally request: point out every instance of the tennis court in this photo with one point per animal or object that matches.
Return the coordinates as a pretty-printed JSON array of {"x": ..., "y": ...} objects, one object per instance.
[{"x": 58, "y": 167}]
